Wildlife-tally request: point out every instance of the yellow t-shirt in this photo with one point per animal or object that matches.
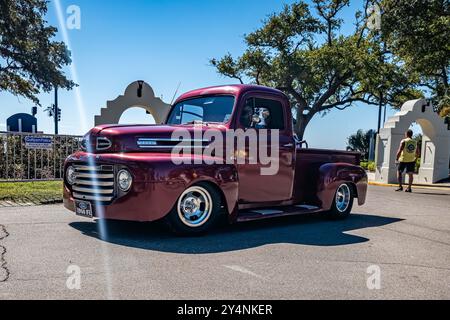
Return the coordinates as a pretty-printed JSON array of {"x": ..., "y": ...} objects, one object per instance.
[{"x": 409, "y": 151}]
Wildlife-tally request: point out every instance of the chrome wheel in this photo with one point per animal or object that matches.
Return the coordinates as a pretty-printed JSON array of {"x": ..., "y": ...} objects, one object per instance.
[
  {"x": 194, "y": 206},
  {"x": 343, "y": 198}
]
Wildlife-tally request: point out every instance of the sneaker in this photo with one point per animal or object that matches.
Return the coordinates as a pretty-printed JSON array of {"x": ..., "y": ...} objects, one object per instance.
[
  {"x": 408, "y": 190},
  {"x": 399, "y": 189}
]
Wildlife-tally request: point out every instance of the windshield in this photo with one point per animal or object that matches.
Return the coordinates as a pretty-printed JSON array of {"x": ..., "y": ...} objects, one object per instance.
[{"x": 208, "y": 109}]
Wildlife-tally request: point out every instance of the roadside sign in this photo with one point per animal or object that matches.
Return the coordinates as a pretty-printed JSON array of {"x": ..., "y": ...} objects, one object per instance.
[{"x": 32, "y": 142}]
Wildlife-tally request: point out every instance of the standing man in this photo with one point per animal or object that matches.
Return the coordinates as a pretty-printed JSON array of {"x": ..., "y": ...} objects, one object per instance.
[{"x": 406, "y": 155}]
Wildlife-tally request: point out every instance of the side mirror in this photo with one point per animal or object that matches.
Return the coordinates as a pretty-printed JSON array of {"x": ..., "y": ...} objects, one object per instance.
[{"x": 304, "y": 142}]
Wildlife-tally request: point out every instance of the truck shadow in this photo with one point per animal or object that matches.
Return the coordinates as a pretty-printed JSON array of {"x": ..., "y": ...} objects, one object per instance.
[{"x": 311, "y": 230}]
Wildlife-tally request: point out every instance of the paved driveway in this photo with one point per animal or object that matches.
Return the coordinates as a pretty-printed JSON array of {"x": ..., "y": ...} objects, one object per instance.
[{"x": 404, "y": 236}]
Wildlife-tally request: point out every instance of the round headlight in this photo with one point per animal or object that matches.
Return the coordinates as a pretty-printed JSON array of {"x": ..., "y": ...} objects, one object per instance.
[
  {"x": 70, "y": 175},
  {"x": 124, "y": 180},
  {"x": 85, "y": 143}
]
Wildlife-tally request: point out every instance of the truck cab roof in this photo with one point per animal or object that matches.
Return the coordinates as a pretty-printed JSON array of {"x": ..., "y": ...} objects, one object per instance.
[{"x": 233, "y": 89}]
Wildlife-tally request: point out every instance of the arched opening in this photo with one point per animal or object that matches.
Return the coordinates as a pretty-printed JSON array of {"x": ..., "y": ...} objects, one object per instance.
[
  {"x": 423, "y": 133},
  {"x": 416, "y": 128},
  {"x": 136, "y": 115},
  {"x": 428, "y": 146},
  {"x": 418, "y": 137}
]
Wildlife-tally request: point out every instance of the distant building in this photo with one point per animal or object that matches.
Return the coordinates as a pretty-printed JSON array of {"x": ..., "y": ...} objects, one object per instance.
[{"x": 21, "y": 122}]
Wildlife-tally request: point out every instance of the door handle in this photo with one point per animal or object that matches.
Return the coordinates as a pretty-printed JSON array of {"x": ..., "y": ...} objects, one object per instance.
[{"x": 289, "y": 145}]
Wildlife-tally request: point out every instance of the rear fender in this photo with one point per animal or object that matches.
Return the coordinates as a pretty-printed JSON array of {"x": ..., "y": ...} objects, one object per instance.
[{"x": 331, "y": 175}]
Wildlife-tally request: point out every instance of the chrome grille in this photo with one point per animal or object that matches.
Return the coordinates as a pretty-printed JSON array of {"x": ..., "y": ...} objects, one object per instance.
[
  {"x": 167, "y": 143},
  {"x": 94, "y": 183}
]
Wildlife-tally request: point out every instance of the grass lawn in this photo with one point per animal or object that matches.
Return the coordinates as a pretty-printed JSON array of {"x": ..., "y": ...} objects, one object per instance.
[{"x": 34, "y": 192}]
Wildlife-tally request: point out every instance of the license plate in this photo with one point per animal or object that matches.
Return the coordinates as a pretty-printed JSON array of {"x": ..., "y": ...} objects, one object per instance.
[{"x": 84, "y": 209}]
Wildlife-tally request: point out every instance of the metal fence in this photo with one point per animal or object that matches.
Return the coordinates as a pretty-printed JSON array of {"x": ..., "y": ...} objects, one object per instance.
[{"x": 27, "y": 156}]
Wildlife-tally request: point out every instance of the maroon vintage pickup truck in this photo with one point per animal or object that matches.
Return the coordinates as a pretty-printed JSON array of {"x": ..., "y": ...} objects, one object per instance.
[{"x": 130, "y": 172}]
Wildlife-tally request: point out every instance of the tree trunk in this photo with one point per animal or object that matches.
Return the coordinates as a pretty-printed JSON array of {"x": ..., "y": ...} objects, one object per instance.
[{"x": 300, "y": 126}]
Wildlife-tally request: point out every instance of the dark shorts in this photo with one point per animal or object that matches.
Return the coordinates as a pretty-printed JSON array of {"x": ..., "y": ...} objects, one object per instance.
[{"x": 409, "y": 166}]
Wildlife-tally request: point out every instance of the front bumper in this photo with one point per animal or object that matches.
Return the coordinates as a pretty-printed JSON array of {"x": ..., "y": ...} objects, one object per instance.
[{"x": 145, "y": 202}]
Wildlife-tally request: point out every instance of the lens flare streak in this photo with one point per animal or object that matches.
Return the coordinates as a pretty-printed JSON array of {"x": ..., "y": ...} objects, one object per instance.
[{"x": 101, "y": 224}]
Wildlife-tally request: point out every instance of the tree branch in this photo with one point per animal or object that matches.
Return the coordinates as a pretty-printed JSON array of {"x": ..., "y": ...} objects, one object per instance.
[
  {"x": 330, "y": 91},
  {"x": 337, "y": 104},
  {"x": 364, "y": 25},
  {"x": 298, "y": 97}
]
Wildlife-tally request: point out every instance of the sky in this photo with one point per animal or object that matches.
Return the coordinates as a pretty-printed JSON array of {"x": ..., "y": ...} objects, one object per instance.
[{"x": 165, "y": 43}]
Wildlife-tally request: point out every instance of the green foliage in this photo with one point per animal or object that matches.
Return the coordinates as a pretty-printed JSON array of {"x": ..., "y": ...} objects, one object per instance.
[
  {"x": 31, "y": 192},
  {"x": 418, "y": 139},
  {"x": 360, "y": 142},
  {"x": 368, "y": 165},
  {"x": 417, "y": 167},
  {"x": 303, "y": 52},
  {"x": 364, "y": 164},
  {"x": 418, "y": 32},
  {"x": 30, "y": 61}
]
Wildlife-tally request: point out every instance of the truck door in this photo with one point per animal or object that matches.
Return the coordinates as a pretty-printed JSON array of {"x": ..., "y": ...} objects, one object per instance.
[{"x": 259, "y": 114}]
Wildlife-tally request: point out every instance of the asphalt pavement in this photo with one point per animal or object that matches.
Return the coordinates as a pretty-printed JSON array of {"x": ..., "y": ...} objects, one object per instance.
[{"x": 396, "y": 246}]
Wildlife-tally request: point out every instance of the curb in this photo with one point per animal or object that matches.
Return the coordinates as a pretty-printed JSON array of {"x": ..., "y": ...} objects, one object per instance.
[{"x": 419, "y": 186}]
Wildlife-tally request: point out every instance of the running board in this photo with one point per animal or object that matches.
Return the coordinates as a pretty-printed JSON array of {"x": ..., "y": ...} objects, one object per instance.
[{"x": 270, "y": 212}]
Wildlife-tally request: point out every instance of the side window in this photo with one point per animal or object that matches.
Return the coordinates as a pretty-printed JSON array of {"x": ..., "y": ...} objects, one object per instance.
[{"x": 262, "y": 114}]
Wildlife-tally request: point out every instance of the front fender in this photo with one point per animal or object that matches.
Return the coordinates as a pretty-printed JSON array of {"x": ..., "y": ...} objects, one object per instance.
[
  {"x": 222, "y": 176},
  {"x": 158, "y": 182},
  {"x": 331, "y": 175}
]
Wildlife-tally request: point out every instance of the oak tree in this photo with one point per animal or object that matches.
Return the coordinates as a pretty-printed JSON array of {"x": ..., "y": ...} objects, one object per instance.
[
  {"x": 30, "y": 60},
  {"x": 303, "y": 51},
  {"x": 418, "y": 32}
]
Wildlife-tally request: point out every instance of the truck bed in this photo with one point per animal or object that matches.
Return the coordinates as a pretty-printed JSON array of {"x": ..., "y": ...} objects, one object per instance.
[
  {"x": 307, "y": 167},
  {"x": 307, "y": 155}
]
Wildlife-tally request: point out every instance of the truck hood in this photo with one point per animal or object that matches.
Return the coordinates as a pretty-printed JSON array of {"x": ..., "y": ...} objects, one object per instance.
[{"x": 143, "y": 138}]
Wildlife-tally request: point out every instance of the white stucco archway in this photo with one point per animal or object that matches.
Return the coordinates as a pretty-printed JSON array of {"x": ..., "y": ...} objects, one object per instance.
[
  {"x": 435, "y": 143},
  {"x": 137, "y": 94}
]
